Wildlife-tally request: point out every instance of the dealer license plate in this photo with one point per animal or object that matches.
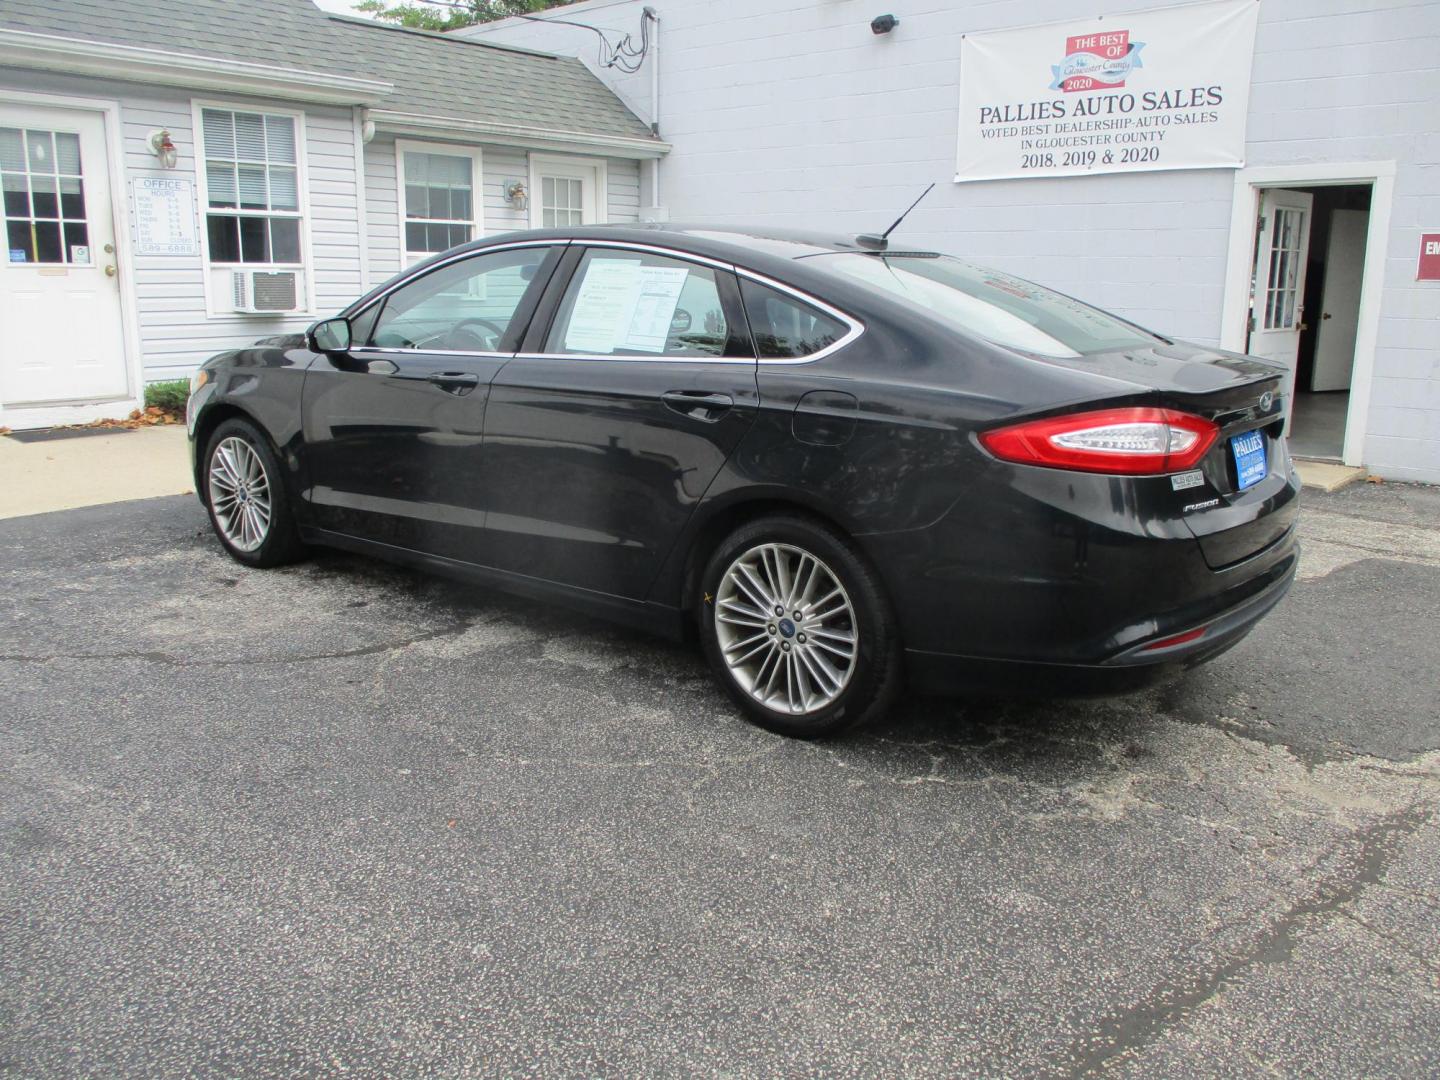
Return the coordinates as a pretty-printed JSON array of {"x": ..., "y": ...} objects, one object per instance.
[{"x": 1250, "y": 459}]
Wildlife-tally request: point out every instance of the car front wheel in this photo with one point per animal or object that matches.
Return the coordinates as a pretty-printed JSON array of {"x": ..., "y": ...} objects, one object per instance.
[
  {"x": 797, "y": 628},
  {"x": 245, "y": 494}
]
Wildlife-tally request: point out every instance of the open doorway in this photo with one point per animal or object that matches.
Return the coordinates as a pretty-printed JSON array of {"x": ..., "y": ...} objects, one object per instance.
[
  {"x": 1305, "y": 303},
  {"x": 1307, "y": 241}
]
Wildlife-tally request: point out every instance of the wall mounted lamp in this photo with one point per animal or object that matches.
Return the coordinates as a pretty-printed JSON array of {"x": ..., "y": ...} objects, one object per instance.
[
  {"x": 163, "y": 147},
  {"x": 883, "y": 24},
  {"x": 518, "y": 194}
]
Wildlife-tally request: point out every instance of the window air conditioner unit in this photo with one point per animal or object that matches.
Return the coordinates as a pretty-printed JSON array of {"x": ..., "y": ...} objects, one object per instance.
[{"x": 266, "y": 292}]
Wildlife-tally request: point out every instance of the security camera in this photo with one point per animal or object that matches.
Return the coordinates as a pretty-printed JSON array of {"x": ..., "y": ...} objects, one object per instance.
[{"x": 883, "y": 24}]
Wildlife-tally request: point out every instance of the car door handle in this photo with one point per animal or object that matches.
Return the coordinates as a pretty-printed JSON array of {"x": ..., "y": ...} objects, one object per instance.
[
  {"x": 455, "y": 382},
  {"x": 698, "y": 404}
]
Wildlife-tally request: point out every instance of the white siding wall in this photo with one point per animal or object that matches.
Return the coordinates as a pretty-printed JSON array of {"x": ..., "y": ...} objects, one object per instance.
[
  {"x": 382, "y": 208},
  {"x": 175, "y": 332},
  {"x": 791, "y": 112},
  {"x": 624, "y": 182}
]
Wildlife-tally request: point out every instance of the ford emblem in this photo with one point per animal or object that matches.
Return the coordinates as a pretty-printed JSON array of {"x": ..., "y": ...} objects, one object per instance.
[{"x": 1266, "y": 400}]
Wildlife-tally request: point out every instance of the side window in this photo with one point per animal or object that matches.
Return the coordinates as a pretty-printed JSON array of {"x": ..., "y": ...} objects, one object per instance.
[
  {"x": 786, "y": 328},
  {"x": 632, "y": 303},
  {"x": 465, "y": 306}
]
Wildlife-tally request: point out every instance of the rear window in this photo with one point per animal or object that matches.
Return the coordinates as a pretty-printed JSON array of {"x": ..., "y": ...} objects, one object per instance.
[{"x": 1007, "y": 310}]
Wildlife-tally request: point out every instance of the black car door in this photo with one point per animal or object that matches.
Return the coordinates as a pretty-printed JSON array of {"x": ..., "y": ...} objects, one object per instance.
[
  {"x": 607, "y": 428},
  {"x": 393, "y": 429}
]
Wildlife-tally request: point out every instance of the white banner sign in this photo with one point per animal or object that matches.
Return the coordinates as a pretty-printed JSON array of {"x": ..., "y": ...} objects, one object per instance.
[{"x": 1151, "y": 90}]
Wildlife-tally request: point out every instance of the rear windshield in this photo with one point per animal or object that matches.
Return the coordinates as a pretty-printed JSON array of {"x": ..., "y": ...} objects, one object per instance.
[{"x": 1007, "y": 310}]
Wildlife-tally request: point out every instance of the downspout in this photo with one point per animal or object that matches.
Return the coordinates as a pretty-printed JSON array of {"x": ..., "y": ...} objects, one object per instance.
[
  {"x": 654, "y": 18},
  {"x": 359, "y": 120}
]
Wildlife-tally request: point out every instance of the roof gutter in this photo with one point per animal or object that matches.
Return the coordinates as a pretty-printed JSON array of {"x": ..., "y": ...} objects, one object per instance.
[
  {"x": 622, "y": 146},
  {"x": 78, "y": 56}
]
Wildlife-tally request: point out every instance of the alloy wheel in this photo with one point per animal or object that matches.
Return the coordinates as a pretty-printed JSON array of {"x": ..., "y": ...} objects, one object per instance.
[
  {"x": 240, "y": 493},
  {"x": 786, "y": 628}
]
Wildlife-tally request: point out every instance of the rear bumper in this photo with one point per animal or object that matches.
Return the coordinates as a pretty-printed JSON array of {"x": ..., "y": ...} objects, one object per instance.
[
  {"x": 1129, "y": 669},
  {"x": 1061, "y": 569}
]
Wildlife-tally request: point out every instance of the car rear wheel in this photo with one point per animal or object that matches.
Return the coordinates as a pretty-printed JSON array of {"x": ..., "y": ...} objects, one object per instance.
[
  {"x": 797, "y": 628},
  {"x": 245, "y": 494}
]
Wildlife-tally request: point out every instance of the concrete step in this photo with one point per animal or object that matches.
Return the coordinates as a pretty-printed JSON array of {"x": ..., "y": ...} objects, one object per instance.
[{"x": 1327, "y": 475}]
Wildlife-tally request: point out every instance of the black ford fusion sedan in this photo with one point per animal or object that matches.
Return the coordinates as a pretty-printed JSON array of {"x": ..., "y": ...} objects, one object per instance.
[{"x": 840, "y": 463}]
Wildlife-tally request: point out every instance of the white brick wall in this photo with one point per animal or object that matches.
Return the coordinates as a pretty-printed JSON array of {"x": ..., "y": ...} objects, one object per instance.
[{"x": 790, "y": 112}]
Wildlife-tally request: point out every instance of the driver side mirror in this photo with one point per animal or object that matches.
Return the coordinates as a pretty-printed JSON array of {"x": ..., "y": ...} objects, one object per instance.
[{"x": 329, "y": 336}]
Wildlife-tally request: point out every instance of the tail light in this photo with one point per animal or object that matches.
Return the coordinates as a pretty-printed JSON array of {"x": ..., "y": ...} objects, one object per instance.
[{"x": 1130, "y": 441}]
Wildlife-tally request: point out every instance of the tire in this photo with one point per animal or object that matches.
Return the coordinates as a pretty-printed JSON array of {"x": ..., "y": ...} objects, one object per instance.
[
  {"x": 247, "y": 477},
  {"x": 835, "y": 592}
]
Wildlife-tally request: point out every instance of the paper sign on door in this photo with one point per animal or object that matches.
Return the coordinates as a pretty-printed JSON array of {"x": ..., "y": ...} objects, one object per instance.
[{"x": 624, "y": 305}]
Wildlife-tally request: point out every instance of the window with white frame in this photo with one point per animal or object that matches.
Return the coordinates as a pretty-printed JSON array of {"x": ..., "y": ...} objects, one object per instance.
[
  {"x": 252, "y": 182},
  {"x": 566, "y": 191},
  {"x": 561, "y": 201},
  {"x": 439, "y": 197}
]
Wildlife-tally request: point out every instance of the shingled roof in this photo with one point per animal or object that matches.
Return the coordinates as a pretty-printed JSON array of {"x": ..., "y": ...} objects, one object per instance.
[{"x": 433, "y": 75}]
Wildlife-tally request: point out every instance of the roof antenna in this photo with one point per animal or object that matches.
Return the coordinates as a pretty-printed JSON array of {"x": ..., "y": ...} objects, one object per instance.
[{"x": 881, "y": 242}]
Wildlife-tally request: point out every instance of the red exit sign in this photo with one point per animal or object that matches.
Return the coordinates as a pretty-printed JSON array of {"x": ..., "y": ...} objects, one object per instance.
[{"x": 1429, "y": 257}]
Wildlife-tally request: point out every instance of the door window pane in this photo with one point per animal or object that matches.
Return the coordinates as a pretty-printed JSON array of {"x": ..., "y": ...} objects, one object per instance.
[
  {"x": 1281, "y": 290},
  {"x": 67, "y": 153},
  {"x": 786, "y": 328},
  {"x": 42, "y": 151},
  {"x": 47, "y": 242},
  {"x": 623, "y": 303},
  {"x": 18, "y": 240},
  {"x": 44, "y": 197},
  {"x": 72, "y": 198},
  {"x": 562, "y": 201},
  {"x": 12, "y": 150},
  {"x": 77, "y": 235},
  {"x": 465, "y": 306},
  {"x": 17, "y": 195}
]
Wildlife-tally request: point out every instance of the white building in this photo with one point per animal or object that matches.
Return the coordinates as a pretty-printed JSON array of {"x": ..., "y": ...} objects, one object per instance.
[
  {"x": 186, "y": 176},
  {"x": 792, "y": 112}
]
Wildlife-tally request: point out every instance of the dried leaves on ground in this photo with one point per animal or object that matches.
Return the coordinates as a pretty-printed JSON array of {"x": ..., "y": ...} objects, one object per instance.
[{"x": 148, "y": 417}]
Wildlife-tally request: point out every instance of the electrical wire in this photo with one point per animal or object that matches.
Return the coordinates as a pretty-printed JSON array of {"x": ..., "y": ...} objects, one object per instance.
[{"x": 623, "y": 54}]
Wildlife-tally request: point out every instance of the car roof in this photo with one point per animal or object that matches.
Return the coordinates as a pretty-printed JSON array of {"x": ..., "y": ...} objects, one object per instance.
[{"x": 728, "y": 242}]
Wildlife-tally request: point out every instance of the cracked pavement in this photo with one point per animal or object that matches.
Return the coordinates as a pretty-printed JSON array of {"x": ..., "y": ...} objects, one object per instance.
[{"x": 342, "y": 818}]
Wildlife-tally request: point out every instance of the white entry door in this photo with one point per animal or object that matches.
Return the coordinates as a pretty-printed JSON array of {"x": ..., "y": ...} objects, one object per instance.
[
  {"x": 61, "y": 338},
  {"x": 566, "y": 192},
  {"x": 1340, "y": 300},
  {"x": 1277, "y": 304}
]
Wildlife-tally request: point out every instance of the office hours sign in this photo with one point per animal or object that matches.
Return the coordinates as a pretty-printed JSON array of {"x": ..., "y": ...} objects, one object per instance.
[{"x": 1165, "y": 89}]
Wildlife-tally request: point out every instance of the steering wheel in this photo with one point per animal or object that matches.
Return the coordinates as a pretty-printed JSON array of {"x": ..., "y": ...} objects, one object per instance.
[{"x": 456, "y": 339}]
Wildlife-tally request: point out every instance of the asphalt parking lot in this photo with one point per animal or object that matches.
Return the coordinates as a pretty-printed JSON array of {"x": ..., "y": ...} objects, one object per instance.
[{"x": 343, "y": 819}]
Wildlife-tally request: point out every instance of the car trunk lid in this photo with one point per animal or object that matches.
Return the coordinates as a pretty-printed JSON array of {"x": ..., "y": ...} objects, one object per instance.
[{"x": 1232, "y": 519}]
